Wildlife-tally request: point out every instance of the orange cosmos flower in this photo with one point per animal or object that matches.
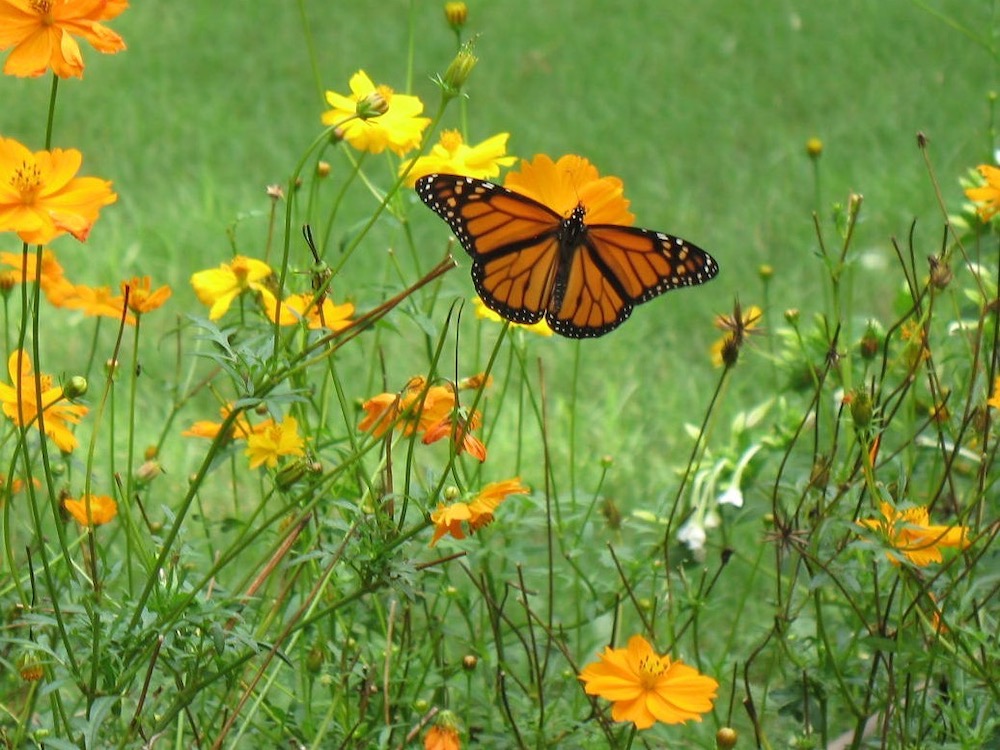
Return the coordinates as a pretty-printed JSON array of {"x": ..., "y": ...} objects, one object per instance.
[
  {"x": 41, "y": 33},
  {"x": 40, "y": 196},
  {"x": 568, "y": 182},
  {"x": 988, "y": 195},
  {"x": 271, "y": 440},
  {"x": 141, "y": 297},
  {"x": 409, "y": 411},
  {"x": 298, "y": 307},
  {"x": 458, "y": 427},
  {"x": 910, "y": 534},
  {"x": 58, "y": 413},
  {"x": 451, "y": 155},
  {"x": 92, "y": 510},
  {"x": 91, "y": 300},
  {"x": 448, "y": 519},
  {"x": 444, "y": 734},
  {"x": 994, "y": 400},
  {"x": 240, "y": 429},
  {"x": 218, "y": 287},
  {"x": 375, "y": 118},
  {"x": 646, "y": 688}
]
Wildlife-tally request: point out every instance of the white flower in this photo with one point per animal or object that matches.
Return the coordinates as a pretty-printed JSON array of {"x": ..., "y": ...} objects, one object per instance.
[
  {"x": 692, "y": 534},
  {"x": 733, "y": 494}
]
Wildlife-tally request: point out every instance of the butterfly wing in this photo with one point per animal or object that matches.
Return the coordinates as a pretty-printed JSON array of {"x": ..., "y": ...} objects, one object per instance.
[
  {"x": 512, "y": 239},
  {"x": 615, "y": 268}
]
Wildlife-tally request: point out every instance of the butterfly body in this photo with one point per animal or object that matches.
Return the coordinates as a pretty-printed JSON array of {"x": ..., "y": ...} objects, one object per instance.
[{"x": 529, "y": 262}]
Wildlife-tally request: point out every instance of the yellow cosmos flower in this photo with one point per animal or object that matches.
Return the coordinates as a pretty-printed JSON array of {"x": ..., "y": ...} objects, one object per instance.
[
  {"x": 994, "y": 400},
  {"x": 142, "y": 298},
  {"x": 58, "y": 413},
  {"x": 645, "y": 688},
  {"x": 394, "y": 123},
  {"x": 41, "y": 33},
  {"x": 272, "y": 440},
  {"x": 988, "y": 195},
  {"x": 448, "y": 519},
  {"x": 562, "y": 185},
  {"x": 484, "y": 313},
  {"x": 298, "y": 307},
  {"x": 452, "y": 156},
  {"x": 218, "y": 287},
  {"x": 40, "y": 196},
  {"x": 909, "y": 532},
  {"x": 92, "y": 510}
]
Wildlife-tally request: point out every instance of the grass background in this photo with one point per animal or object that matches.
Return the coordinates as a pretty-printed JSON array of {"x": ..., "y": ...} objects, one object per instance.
[{"x": 702, "y": 108}]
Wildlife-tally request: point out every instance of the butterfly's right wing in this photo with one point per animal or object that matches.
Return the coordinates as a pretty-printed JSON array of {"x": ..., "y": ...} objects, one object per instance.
[{"x": 513, "y": 241}]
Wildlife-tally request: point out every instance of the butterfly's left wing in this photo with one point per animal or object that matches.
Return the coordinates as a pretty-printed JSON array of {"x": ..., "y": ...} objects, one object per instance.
[
  {"x": 615, "y": 268},
  {"x": 512, "y": 239}
]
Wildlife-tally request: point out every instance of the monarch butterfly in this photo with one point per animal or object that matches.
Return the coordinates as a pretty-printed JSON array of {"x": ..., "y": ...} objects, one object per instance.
[{"x": 528, "y": 262}]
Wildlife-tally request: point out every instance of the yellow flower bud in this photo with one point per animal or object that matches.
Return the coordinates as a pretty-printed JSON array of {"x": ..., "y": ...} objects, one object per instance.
[
  {"x": 814, "y": 147},
  {"x": 456, "y": 14}
]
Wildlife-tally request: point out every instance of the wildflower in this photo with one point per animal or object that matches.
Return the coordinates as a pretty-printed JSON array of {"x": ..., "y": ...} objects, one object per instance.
[
  {"x": 564, "y": 184},
  {"x": 448, "y": 519},
  {"x": 304, "y": 307},
  {"x": 737, "y": 326},
  {"x": 41, "y": 33},
  {"x": 218, "y": 287},
  {"x": 459, "y": 428},
  {"x": 40, "y": 196},
  {"x": 452, "y": 155},
  {"x": 30, "y": 667},
  {"x": 410, "y": 411},
  {"x": 988, "y": 195},
  {"x": 814, "y": 148},
  {"x": 733, "y": 495},
  {"x": 645, "y": 688},
  {"x": 239, "y": 430},
  {"x": 444, "y": 734},
  {"x": 994, "y": 400},
  {"x": 51, "y": 278},
  {"x": 542, "y": 328},
  {"x": 58, "y": 414},
  {"x": 272, "y": 440},
  {"x": 91, "y": 300},
  {"x": 92, "y": 510},
  {"x": 909, "y": 532},
  {"x": 398, "y": 127},
  {"x": 141, "y": 298}
]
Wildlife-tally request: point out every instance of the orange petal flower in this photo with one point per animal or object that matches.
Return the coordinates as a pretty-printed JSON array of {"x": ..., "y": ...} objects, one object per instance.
[
  {"x": 40, "y": 196},
  {"x": 448, "y": 519},
  {"x": 41, "y": 33},
  {"x": 412, "y": 410},
  {"x": 58, "y": 413},
  {"x": 444, "y": 734},
  {"x": 564, "y": 184},
  {"x": 141, "y": 297},
  {"x": 460, "y": 428},
  {"x": 646, "y": 688},
  {"x": 101, "y": 509},
  {"x": 92, "y": 300},
  {"x": 241, "y": 428},
  {"x": 909, "y": 532}
]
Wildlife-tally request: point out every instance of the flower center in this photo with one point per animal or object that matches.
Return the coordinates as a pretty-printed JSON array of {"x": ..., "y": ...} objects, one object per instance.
[
  {"x": 386, "y": 93},
  {"x": 44, "y": 9},
  {"x": 651, "y": 667},
  {"x": 451, "y": 140},
  {"x": 27, "y": 180}
]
